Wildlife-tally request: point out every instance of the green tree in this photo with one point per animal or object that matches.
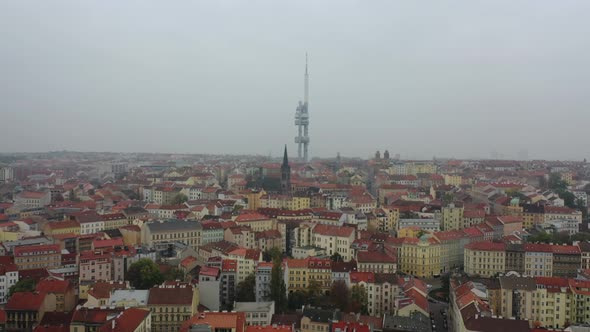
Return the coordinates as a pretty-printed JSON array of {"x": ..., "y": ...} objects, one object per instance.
[
  {"x": 314, "y": 291},
  {"x": 358, "y": 300},
  {"x": 23, "y": 285},
  {"x": 581, "y": 205},
  {"x": 174, "y": 274},
  {"x": 448, "y": 198},
  {"x": 272, "y": 254},
  {"x": 340, "y": 295},
  {"x": 179, "y": 198},
  {"x": 556, "y": 183},
  {"x": 336, "y": 257},
  {"x": 246, "y": 289},
  {"x": 278, "y": 290},
  {"x": 569, "y": 199},
  {"x": 297, "y": 299},
  {"x": 541, "y": 237},
  {"x": 144, "y": 274}
]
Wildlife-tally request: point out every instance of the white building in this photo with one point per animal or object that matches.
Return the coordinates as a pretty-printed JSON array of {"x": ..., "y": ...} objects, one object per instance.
[
  {"x": 263, "y": 275},
  {"x": 6, "y": 174},
  {"x": 431, "y": 225},
  {"x": 257, "y": 313},
  {"x": 8, "y": 278}
]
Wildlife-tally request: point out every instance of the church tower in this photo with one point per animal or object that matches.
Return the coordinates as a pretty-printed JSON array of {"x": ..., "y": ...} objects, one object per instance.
[{"x": 285, "y": 175}]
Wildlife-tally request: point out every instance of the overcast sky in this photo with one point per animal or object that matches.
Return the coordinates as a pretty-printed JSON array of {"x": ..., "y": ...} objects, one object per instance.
[{"x": 420, "y": 78}]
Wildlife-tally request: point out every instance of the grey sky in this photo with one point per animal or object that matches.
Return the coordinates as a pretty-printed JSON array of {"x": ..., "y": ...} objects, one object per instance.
[{"x": 420, "y": 78}]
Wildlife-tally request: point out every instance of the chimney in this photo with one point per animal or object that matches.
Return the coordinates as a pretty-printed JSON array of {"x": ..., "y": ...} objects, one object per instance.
[{"x": 113, "y": 324}]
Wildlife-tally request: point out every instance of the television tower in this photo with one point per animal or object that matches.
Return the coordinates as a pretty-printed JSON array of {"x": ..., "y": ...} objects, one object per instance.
[{"x": 302, "y": 120}]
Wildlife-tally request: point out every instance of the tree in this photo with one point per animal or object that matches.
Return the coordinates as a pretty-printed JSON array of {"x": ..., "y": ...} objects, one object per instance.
[
  {"x": 358, "y": 300},
  {"x": 340, "y": 295},
  {"x": 272, "y": 254},
  {"x": 246, "y": 289},
  {"x": 179, "y": 199},
  {"x": 174, "y": 274},
  {"x": 144, "y": 274},
  {"x": 556, "y": 183},
  {"x": 314, "y": 289},
  {"x": 448, "y": 198},
  {"x": 23, "y": 285},
  {"x": 297, "y": 299},
  {"x": 336, "y": 257},
  {"x": 581, "y": 205},
  {"x": 278, "y": 290}
]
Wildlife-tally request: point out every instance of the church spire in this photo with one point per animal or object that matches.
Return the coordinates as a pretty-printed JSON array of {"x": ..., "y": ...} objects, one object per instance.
[{"x": 285, "y": 157}]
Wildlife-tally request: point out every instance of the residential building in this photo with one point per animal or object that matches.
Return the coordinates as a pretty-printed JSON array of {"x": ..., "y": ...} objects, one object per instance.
[
  {"x": 216, "y": 322},
  {"x": 377, "y": 261},
  {"x": 263, "y": 276},
  {"x": 32, "y": 199},
  {"x": 9, "y": 276},
  {"x": 485, "y": 259},
  {"x": 24, "y": 310},
  {"x": 334, "y": 239},
  {"x": 65, "y": 297},
  {"x": 296, "y": 275},
  {"x": 37, "y": 256},
  {"x": 171, "y": 305},
  {"x": 187, "y": 232},
  {"x": 257, "y": 313},
  {"x": 420, "y": 257},
  {"x": 452, "y": 217}
]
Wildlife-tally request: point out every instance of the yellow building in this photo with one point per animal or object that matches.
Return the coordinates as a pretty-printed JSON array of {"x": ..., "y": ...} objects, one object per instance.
[
  {"x": 420, "y": 257},
  {"x": 485, "y": 258},
  {"x": 296, "y": 274},
  {"x": 453, "y": 179},
  {"x": 320, "y": 271},
  {"x": 253, "y": 197},
  {"x": 390, "y": 223},
  {"x": 62, "y": 227},
  {"x": 412, "y": 231},
  {"x": 452, "y": 218},
  {"x": 258, "y": 222}
]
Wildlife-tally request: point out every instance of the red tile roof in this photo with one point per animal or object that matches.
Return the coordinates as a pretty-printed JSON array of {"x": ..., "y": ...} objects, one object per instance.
[
  {"x": 53, "y": 286},
  {"x": 375, "y": 257},
  {"x": 94, "y": 315},
  {"x": 565, "y": 250},
  {"x": 128, "y": 320},
  {"x": 217, "y": 321},
  {"x": 486, "y": 246},
  {"x": 171, "y": 296},
  {"x": 248, "y": 215},
  {"x": 537, "y": 247},
  {"x": 27, "y": 250},
  {"x": 367, "y": 277},
  {"x": 102, "y": 289},
  {"x": 25, "y": 301},
  {"x": 330, "y": 230}
]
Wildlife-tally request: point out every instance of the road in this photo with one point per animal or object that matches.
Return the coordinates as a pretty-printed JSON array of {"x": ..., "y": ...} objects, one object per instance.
[{"x": 435, "y": 308}]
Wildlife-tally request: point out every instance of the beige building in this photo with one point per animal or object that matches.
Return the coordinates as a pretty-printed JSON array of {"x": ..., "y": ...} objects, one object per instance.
[
  {"x": 485, "y": 258},
  {"x": 171, "y": 305},
  {"x": 187, "y": 232},
  {"x": 334, "y": 239},
  {"x": 452, "y": 218}
]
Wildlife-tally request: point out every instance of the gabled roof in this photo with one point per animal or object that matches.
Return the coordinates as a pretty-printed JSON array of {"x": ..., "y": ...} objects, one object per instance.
[
  {"x": 25, "y": 301},
  {"x": 171, "y": 296},
  {"x": 330, "y": 230},
  {"x": 128, "y": 320},
  {"x": 53, "y": 286}
]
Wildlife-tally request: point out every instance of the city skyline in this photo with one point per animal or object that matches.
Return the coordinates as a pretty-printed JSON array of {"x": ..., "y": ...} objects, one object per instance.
[{"x": 419, "y": 81}]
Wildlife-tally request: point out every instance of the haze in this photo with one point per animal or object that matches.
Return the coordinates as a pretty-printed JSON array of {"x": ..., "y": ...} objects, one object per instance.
[{"x": 420, "y": 78}]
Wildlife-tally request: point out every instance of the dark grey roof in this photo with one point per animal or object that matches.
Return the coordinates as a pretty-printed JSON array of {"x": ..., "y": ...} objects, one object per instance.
[
  {"x": 174, "y": 225},
  {"x": 416, "y": 322},
  {"x": 320, "y": 315},
  {"x": 521, "y": 283}
]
